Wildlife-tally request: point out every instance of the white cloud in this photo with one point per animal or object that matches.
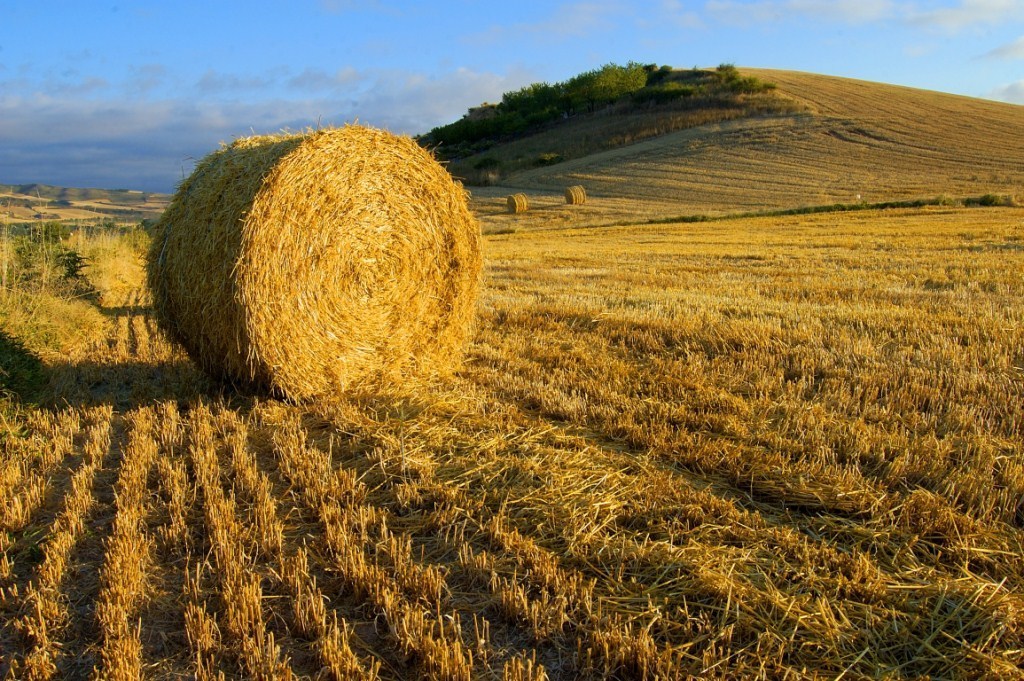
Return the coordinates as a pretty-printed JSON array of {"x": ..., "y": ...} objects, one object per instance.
[
  {"x": 677, "y": 13},
  {"x": 1014, "y": 50},
  {"x": 574, "y": 20},
  {"x": 849, "y": 11},
  {"x": 60, "y": 138},
  {"x": 144, "y": 78},
  {"x": 968, "y": 13},
  {"x": 338, "y": 6},
  {"x": 214, "y": 82},
  {"x": 81, "y": 87},
  {"x": 415, "y": 103},
  {"x": 745, "y": 13},
  {"x": 1014, "y": 93},
  {"x": 318, "y": 80},
  {"x": 770, "y": 11}
]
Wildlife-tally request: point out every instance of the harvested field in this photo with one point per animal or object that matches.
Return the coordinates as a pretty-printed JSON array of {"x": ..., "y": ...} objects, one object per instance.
[{"x": 763, "y": 448}]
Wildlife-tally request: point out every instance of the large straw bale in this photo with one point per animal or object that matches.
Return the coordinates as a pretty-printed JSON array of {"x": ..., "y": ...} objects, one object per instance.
[
  {"x": 312, "y": 263},
  {"x": 575, "y": 195},
  {"x": 517, "y": 203}
]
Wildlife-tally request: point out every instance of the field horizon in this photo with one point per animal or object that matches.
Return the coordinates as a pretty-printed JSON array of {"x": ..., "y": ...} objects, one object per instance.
[{"x": 896, "y": 144}]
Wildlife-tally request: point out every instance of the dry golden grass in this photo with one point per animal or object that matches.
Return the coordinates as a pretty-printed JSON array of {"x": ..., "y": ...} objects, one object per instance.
[{"x": 763, "y": 448}]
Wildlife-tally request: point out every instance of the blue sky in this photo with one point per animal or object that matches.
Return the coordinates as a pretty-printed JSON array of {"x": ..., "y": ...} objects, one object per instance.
[{"x": 123, "y": 94}]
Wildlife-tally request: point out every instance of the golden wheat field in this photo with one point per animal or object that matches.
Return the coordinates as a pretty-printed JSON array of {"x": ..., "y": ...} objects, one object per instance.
[{"x": 784, "y": 448}]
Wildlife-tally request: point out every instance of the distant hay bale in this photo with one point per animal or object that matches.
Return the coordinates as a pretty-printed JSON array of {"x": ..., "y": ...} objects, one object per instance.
[
  {"x": 313, "y": 263},
  {"x": 575, "y": 195},
  {"x": 517, "y": 203}
]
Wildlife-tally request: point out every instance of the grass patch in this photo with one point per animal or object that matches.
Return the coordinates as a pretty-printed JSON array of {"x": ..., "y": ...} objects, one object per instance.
[
  {"x": 51, "y": 285},
  {"x": 986, "y": 201}
]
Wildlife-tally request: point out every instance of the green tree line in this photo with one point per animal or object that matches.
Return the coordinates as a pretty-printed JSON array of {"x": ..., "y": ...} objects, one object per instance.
[{"x": 539, "y": 103}]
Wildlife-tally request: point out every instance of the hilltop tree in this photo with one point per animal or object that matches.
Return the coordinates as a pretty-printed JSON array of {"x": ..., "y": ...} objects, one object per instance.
[{"x": 604, "y": 85}]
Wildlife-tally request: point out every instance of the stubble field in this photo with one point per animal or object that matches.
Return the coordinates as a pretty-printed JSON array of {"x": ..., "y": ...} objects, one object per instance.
[{"x": 774, "y": 447}]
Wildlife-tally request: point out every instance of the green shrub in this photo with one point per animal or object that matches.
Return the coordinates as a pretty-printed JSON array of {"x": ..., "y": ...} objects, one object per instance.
[
  {"x": 656, "y": 74},
  {"x": 487, "y": 163},
  {"x": 49, "y": 232},
  {"x": 989, "y": 200},
  {"x": 664, "y": 93},
  {"x": 41, "y": 261},
  {"x": 548, "y": 159},
  {"x": 727, "y": 73}
]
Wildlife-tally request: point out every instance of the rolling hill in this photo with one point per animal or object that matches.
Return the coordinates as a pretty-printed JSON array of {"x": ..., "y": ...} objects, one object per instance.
[
  {"x": 20, "y": 203},
  {"x": 848, "y": 141}
]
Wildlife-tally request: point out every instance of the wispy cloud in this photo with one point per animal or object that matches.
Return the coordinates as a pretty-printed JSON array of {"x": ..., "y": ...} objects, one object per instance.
[
  {"x": 318, "y": 80},
  {"x": 968, "y": 13},
  {"x": 679, "y": 14},
  {"x": 82, "y": 87},
  {"x": 145, "y": 78},
  {"x": 771, "y": 11},
  {"x": 1014, "y": 50},
  {"x": 131, "y": 142},
  {"x": 847, "y": 11},
  {"x": 1013, "y": 92},
  {"x": 214, "y": 82},
  {"x": 338, "y": 6},
  {"x": 573, "y": 20},
  {"x": 413, "y": 102}
]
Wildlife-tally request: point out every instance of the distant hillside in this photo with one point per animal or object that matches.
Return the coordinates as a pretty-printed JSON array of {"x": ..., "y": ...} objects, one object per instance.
[
  {"x": 851, "y": 141},
  {"x": 36, "y": 202},
  {"x": 544, "y": 124}
]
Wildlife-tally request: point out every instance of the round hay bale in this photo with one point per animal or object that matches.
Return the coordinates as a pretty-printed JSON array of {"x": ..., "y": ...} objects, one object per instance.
[
  {"x": 575, "y": 195},
  {"x": 313, "y": 263},
  {"x": 517, "y": 203}
]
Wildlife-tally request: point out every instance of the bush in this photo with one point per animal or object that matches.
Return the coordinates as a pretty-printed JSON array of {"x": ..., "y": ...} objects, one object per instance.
[
  {"x": 548, "y": 159},
  {"x": 41, "y": 261},
  {"x": 748, "y": 85},
  {"x": 49, "y": 232},
  {"x": 656, "y": 75},
  {"x": 487, "y": 163},
  {"x": 727, "y": 73},
  {"x": 662, "y": 94},
  {"x": 990, "y": 200}
]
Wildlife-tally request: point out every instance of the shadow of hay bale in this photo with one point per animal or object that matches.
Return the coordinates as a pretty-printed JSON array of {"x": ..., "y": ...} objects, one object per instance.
[
  {"x": 22, "y": 373},
  {"x": 126, "y": 385}
]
